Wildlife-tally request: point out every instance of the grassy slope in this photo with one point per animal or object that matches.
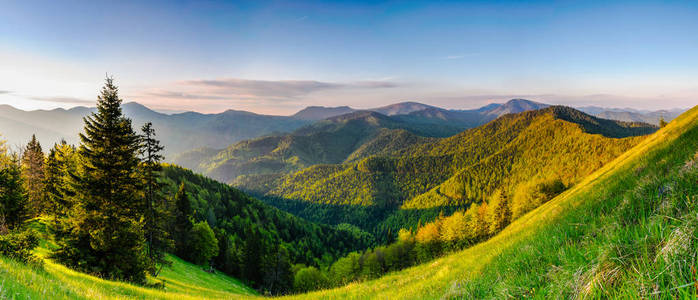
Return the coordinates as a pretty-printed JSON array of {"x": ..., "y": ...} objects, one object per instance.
[
  {"x": 546, "y": 248},
  {"x": 182, "y": 281}
]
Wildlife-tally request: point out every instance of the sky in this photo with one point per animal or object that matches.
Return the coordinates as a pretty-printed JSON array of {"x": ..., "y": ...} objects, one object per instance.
[{"x": 276, "y": 57}]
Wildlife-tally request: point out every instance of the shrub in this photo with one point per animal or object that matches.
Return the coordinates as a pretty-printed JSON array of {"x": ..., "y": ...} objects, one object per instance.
[
  {"x": 309, "y": 279},
  {"x": 19, "y": 246}
]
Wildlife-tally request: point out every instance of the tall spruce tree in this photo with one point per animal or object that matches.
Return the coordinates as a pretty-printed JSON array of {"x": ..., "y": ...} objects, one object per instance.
[
  {"x": 33, "y": 175},
  {"x": 157, "y": 238},
  {"x": 103, "y": 232}
]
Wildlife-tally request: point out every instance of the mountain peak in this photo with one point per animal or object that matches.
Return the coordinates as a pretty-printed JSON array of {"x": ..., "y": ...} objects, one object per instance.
[
  {"x": 516, "y": 106},
  {"x": 315, "y": 113},
  {"x": 401, "y": 108}
]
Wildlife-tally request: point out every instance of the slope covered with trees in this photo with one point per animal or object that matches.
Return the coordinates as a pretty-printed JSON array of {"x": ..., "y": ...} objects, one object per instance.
[
  {"x": 251, "y": 234},
  {"x": 468, "y": 167}
]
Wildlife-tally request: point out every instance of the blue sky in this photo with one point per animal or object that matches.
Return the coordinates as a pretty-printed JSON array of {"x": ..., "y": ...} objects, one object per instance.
[{"x": 277, "y": 57}]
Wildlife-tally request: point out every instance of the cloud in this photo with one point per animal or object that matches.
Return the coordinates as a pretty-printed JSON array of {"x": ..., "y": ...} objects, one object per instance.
[
  {"x": 279, "y": 90},
  {"x": 180, "y": 95},
  {"x": 374, "y": 84},
  {"x": 260, "y": 88},
  {"x": 69, "y": 100}
]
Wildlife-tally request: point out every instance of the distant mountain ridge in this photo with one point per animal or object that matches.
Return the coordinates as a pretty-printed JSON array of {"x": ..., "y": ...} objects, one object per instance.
[
  {"x": 633, "y": 115},
  {"x": 185, "y": 131},
  {"x": 177, "y": 132},
  {"x": 316, "y": 113}
]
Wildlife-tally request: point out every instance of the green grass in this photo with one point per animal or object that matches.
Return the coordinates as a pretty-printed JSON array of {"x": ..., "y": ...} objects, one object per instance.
[{"x": 182, "y": 280}]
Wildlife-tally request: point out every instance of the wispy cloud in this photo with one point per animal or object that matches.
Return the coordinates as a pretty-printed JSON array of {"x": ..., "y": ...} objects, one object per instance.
[
  {"x": 234, "y": 87},
  {"x": 279, "y": 90},
  {"x": 180, "y": 95},
  {"x": 59, "y": 99}
]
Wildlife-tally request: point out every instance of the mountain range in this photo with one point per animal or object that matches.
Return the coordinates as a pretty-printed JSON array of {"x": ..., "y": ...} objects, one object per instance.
[
  {"x": 178, "y": 132},
  {"x": 186, "y": 131},
  {"x": 342, "y": 138}
]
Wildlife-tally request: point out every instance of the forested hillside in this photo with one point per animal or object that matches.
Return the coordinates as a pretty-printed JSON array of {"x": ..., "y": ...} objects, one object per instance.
[
  {"x": 512, "y": 155},
  {"x": 253, "y": 236},
  {"x": 537, "y": 145}
]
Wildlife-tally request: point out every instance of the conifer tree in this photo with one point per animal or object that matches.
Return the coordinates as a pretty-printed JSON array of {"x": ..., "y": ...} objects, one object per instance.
[
  {"x": 278, "y": 277},
  {"x": 253, "y": 253},
  {"x": 157, "y": 238},
  {"x": 33, "y": 177},
  {"x": 103, "y": 233},
  {"x": 59, "y": 167},
  {"x": 12, "y": 194},
  {"x": 183, "y": 222},
  {"x": 500, "y": 216},
  {"x": 482, "y": 225}
]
